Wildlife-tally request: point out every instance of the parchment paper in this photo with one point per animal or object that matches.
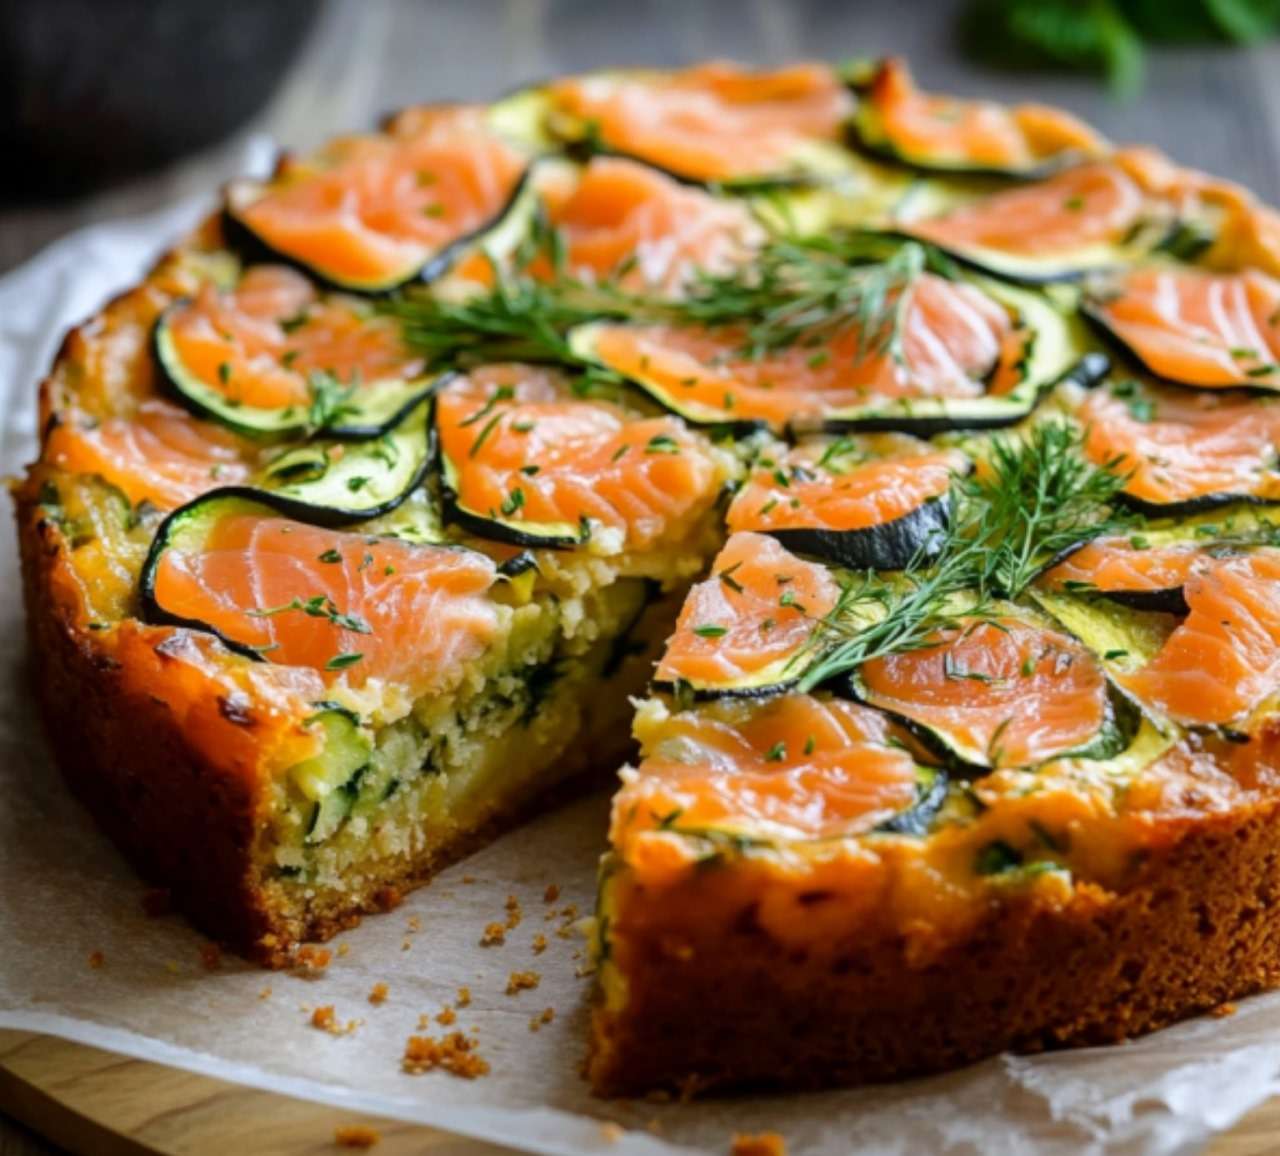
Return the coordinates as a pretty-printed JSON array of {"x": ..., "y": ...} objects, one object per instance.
[{"x": 64, "y": 894}]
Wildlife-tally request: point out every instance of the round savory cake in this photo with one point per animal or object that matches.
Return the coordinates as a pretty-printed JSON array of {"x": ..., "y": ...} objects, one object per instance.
[{"x": 898, "y": 472}]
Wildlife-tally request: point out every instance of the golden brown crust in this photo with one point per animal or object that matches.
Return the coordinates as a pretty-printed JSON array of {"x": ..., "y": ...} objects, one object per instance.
[{"x": 714, "y": 1001}]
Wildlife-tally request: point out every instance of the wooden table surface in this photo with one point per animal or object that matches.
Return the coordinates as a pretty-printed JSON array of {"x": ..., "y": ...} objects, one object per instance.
[{"x": 1214, "y": 108}]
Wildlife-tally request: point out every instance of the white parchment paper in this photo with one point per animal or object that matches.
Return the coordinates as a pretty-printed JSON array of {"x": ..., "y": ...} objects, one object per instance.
[{"x": 64, "y": 894}]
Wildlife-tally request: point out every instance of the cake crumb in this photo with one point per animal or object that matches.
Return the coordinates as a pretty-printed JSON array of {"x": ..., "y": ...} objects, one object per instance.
[
  {"x": 1223, "y": 1010},
  {"x": 514, "y": 913},
  {"x": 519, "y": 981},
  {"x": 765, "y": 1144},
  {"x": 454, "y": 1053},
  {"x": 494, "y": 934},
  {"x": 378, "y": 994},
  {"x": 468, "y": 879},
  {"x": 406, "y": 945},
  {"x": 539, "y": 944},
  {"x": 157, "y": 902},
  {"x": 312, "y": 960},
  {"x": 210, "y": 956},
  {"x": 464, "y": 997},
  {"x": 415, "y": 923},
  {"x": 446, "y": 1016},
  {"x": 96, "y": 959},
  {"x": 343, "y": 949},
  {"x": 356, "y": 1136},
  {"x": 324, "y": 1019},
  {"x": 543, "y": 1017},
  {"x": 265, "y": 993},
  {"x": 550, "y": 895},
  {"x": 611, "y": 1133}
]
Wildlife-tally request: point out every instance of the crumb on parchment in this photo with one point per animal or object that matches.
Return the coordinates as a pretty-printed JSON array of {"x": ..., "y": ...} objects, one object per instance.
[
  {"x": 446, "y": 1017},
  {"x": 539, "y": 944},
  {"x": 454, "y": 1053},
  {"x": 519, "y": 981},
  {"x": 356, "y": 1136},
  {"x": 1223, "y": 1010},
  {"x": 324, "y": 1019},
  {"x": 764, "y": 1144},
  {"x": 378, "y": 994},
  {"x": 551, "y": 894},
  {"x": 312, "y": 960},
  {"x": 543, "y": 1017},
  {"x": 494, "y": 934},
  {"x": 464, "y": 997},
  {"x": 611, "y": 1133}
]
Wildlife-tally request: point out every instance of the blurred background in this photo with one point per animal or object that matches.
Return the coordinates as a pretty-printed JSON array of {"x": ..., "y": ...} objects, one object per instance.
[{"x": 111, "y": 107}]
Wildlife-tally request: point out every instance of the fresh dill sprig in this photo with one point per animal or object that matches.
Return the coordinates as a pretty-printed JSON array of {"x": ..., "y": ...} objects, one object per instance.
[{"x": 1034, "y": 497}]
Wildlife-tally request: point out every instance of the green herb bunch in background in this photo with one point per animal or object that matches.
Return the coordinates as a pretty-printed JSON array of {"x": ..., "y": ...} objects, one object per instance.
[{"x": 1106, "y": 36}]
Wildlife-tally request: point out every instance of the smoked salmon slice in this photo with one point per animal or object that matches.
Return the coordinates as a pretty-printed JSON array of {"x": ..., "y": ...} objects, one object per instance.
[
  {"x": 368, "y": 213},
  {"x": 894, "y": 119},
  {"x": 875, "y": 501},
  {"x": 1223, "y": 661},
  {"x": 271, "y": 355},
  {"x": 350, "y": 606},
  {"x": 789, "y": 768},
  {"x": 745, "y": 629},
  {"x": 997, "y": 693},
  {"x": 712, "y": 122},
  {"x": 634, "y": 228},
  {"x": 938, "y": 339},
  {"x": 161, "y": 455},
  {"x": 1181, "y": 451},
  {"x": 1083, "y": 218},
  {"x": 529, "y": 460},
  {"x": 1193, "y": 326},
  {"x": 1131, "y": 571}
]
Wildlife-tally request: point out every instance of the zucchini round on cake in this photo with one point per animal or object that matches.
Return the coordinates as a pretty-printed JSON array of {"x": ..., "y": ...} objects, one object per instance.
[{"x": 271, "y": 357}]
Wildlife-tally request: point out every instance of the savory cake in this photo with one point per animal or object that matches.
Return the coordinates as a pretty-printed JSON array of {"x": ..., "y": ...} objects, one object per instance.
[{"x": 901, "y": 470}]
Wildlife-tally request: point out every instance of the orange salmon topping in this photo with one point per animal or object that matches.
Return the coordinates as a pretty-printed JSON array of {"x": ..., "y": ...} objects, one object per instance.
[
  {"x": 951, "y": 336},
  {"x": 1223, "y": 661},
  {"x": 715, "y": 121},
  {"x": 309, "y": 597},
  {"x": 162, "y": 455},
  {"x": 1181, "y": 446},
  {"x": 257, "y": 343},
  {"x": 1012, "y": 694},
  {"x": 526, "y": 449},
  {"x": 1088, "y": 205},
  {"x": 1196, "y": 327},
  {"x": 1115, "y": 565},
  {"x": 794, "y": 767},
  {"x": 372, "y": 210},
  {"x": 810, "y": 489},
  {"x": 924, "y": 127},
  {"x": 758, "y": 607}
]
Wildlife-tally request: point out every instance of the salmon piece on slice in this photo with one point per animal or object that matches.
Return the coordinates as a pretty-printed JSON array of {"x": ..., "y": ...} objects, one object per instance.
[
  {"x": 944, "y": 132},
  {"x": 161, "y": 455},
  {"x": 1089, "y": 205},
  {"x": 258, "y": 344},
  {"x": 524, "y": 450},
  {"x": 633, "y": 226},
  {"x": 712, "y": 122},
  {"x": 1119, "y": 566},
  {"x": 1182, "y": 449},
  {"x": 371, "y": 212},
  {"x": 746, "y": 626},
  {"x": 346, "y": 605},
  {"x": 999, "y": 693},
  {"x": 1223, "y": 660},
  {"x": 1193, "y": 326},
  {"x": 793, "y": 767},
  {"x": 950, "y": 341},
  {"x": 844, "y": 484}
]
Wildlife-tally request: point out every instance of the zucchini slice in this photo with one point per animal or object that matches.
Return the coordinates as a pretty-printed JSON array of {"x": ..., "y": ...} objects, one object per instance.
[
  {"x": 333, "y": 483},
  {"x": 1042, "y": 349},
  {"x": 1183, "y": 324},
  {"x": 269, "y": 375},
  {"x": 368, "y": 214},
  {"x": 932, "y": 784},
  {"x": 897, "y": 122},
  {"x": 772, "y": 128},
  {"x": 870, "y": 502},
  {"x": 1005, "y": 692},
  {"x": 330, "y": 781}
]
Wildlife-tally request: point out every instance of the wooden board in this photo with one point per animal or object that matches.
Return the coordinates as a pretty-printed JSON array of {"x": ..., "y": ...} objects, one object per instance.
[{"x": 95, "y": 1103}]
